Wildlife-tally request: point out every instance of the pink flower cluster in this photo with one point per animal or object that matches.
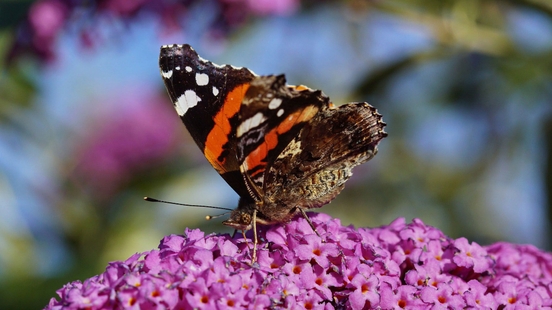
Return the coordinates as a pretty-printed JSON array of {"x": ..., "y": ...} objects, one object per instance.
[{"x": 410, "y": 266}]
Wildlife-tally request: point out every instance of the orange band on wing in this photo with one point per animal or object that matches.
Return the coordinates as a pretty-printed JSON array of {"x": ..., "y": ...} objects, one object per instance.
[
  {"x": 218, "y": 136},
  {"x": 257, "y": 156}
]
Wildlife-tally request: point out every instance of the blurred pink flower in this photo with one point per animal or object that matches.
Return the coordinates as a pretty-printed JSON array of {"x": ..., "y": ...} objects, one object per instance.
[
  {"x": 128, "y": 143},
  {"x": 123, "y": 7},
  {"x": 273, "y": 7},
  {"x": 46, "y": 19}
]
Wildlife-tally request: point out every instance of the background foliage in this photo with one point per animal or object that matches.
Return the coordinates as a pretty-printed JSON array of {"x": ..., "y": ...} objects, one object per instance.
[{"x": 87, "y": 129}]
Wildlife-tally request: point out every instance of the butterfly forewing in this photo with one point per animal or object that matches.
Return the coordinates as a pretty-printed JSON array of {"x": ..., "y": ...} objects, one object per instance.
[{"x": 208, "y": 97}]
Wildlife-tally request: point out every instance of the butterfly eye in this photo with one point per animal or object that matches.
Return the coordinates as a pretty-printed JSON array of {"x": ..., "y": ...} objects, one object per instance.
[{"x": 245, "y": 219}]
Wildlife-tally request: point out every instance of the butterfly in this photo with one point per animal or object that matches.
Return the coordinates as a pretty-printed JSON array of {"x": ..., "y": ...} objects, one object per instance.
[{"x": 283, "y": 148}]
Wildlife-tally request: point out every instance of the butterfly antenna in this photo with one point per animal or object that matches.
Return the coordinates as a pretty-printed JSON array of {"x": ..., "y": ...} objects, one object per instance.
[
  {"x": 190, "y": 205},
  {"x": 210, "y": 217}
]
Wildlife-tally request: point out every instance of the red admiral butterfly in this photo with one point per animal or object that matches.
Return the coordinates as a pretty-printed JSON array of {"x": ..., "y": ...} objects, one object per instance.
[{"x": 284, "y": 149}]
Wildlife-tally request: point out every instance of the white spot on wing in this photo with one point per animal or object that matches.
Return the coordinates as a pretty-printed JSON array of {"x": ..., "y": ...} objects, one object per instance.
[
  {"x": 188, "y": 69},
  {"x": 167, "y": 75},
  {"x": 202, "y": 79},
  {"x": 280, "y": 112},
  {"x": 274, "y": 103},
  {"x": 249, "y": 123},
  {"x": 188, "y": 100},
  {"x": 215, "y": 91},
  {"x": 177, "y": 68}
]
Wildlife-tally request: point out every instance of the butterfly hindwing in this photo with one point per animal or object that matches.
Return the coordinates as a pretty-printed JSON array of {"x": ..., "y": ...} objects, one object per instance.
[{"x": 314, "y": 167}]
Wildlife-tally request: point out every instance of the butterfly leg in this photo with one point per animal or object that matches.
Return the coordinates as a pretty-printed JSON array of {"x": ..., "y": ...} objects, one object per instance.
[
  {"x": 310, "y": 223},
  {"x": 244, "y": 238},
  {"x": 247, "y": 244},
  {"x": 255, "y": 241}
]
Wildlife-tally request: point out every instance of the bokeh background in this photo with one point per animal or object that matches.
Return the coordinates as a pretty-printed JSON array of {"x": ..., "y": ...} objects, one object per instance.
[{"x": 87, "y": 128}]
